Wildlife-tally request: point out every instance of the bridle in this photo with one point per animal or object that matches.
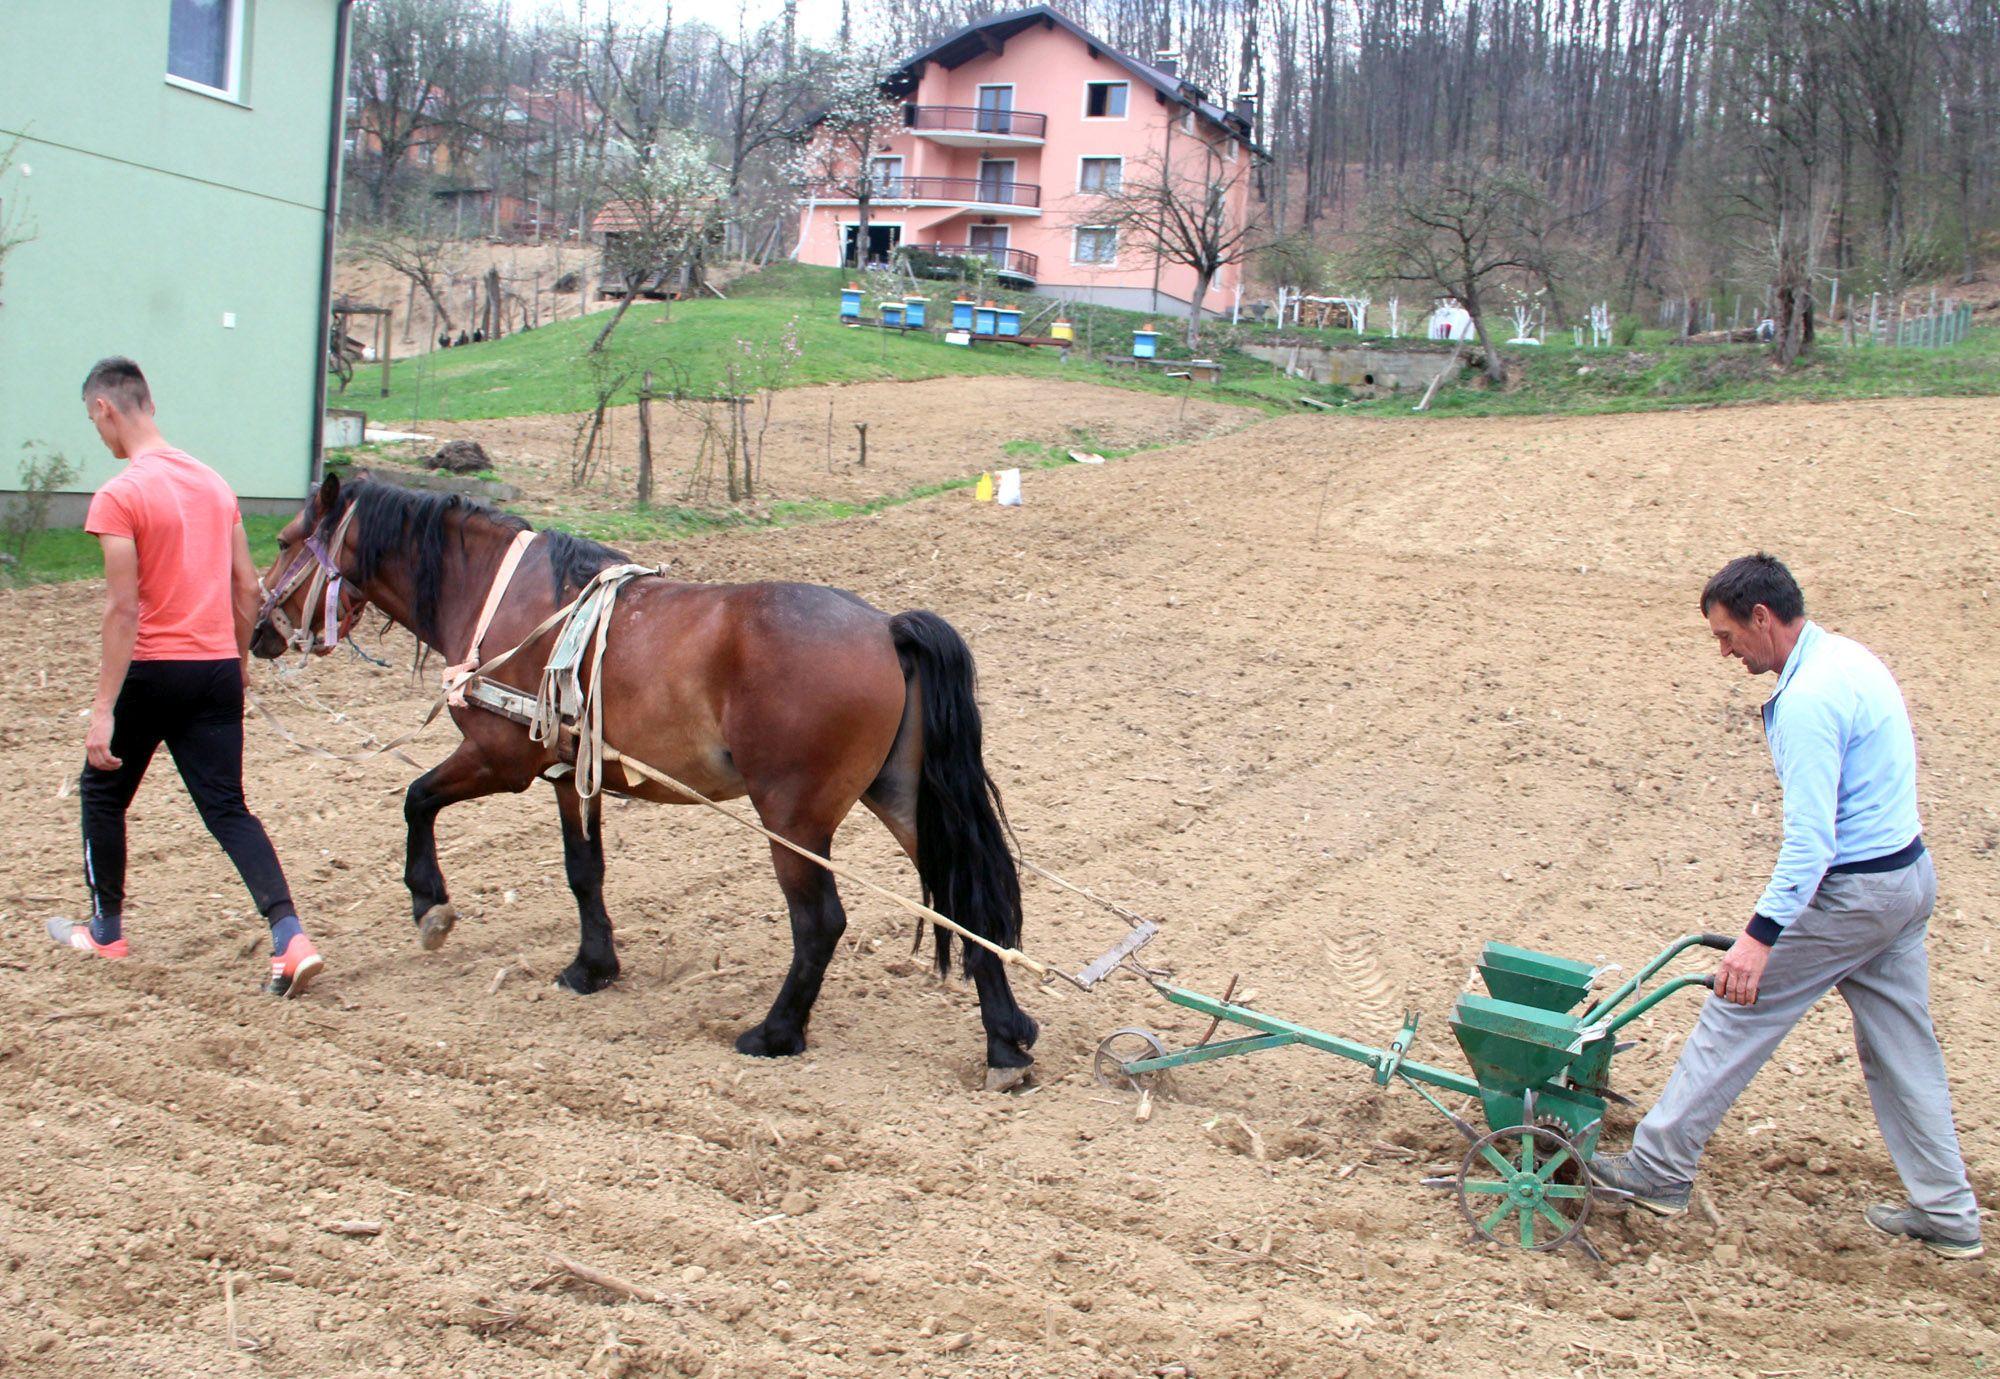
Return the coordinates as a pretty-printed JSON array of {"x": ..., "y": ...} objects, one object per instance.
[{"x": 315, "y": 563}]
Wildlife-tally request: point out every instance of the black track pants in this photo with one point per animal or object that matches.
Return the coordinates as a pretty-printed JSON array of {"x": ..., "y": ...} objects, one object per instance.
[{"x": 196, "y": 709}]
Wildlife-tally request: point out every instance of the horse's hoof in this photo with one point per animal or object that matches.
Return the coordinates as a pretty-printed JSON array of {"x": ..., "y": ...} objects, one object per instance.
[
  {"x": 580, "y": 979},
  {"x": 435, "y": 927},
  {"x": 759, "y": 1042},
  {"x": 1006, "y": 1079}
]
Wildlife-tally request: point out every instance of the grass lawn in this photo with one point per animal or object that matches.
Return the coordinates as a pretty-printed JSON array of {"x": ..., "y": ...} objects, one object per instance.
[{"x": 693, "y": 345}]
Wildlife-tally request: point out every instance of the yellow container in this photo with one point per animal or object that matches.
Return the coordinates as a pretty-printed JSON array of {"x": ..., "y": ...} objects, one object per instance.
[
  {"x": 1062, "y": 330},
  {"x": 983, "y": 490}
]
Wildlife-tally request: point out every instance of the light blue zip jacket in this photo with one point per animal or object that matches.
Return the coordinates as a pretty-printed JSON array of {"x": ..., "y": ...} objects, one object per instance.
[{"x": 1841, "y": 740}]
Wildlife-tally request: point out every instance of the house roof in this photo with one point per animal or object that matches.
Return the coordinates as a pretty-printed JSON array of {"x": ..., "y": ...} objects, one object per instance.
[
  {"x": 622, "y": 216},
  {"x": 977, "y": 39}
]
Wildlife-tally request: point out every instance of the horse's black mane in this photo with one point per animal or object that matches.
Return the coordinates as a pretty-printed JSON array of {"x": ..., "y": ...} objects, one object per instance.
[{"x": 391, "y": 521}]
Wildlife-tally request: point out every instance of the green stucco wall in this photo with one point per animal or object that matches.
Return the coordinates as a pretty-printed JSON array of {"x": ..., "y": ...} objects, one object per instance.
[{"x": 153, "y": 211}]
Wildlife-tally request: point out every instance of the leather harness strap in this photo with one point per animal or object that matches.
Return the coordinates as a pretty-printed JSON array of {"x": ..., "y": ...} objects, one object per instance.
[{"x": 455, "y": 676}]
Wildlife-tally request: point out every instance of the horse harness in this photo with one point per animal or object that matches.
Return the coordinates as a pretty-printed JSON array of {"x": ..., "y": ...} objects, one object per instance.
[
  {"x": 316, "y": 563},
  {"x": 562, "y": 701}
]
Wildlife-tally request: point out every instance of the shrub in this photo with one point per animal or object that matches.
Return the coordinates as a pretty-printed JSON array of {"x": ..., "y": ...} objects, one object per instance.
[{"x": 44, "y": 474}]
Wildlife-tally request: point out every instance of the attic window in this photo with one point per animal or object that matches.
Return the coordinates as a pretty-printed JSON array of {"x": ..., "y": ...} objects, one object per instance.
[
  {"x": 1105, "y": 100},
  {"x": 204, "y": 45}
]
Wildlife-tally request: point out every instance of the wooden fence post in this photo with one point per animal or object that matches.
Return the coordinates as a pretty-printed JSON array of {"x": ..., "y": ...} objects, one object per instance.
[{"x": 646, "y": 440}]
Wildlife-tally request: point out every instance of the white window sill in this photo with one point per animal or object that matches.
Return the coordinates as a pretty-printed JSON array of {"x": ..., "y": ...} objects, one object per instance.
[{"x": 212, "y": 92}]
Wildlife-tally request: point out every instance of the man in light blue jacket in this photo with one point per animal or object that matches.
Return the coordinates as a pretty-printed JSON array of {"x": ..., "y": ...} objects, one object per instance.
[{"x": 1847, "y": 909}]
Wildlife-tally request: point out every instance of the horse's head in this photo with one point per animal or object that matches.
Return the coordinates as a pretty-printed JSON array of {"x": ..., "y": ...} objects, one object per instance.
[{"x": 308, "y": 602}]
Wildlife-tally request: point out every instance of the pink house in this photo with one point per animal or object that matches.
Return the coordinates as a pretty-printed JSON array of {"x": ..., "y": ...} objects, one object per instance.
[{"x": 1014, "y": 129}]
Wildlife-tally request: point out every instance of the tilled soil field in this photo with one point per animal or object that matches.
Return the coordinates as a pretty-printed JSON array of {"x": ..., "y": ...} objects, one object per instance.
[
  {"x": 1336, "y": 701},
  {"x": 807, "y": 445}
]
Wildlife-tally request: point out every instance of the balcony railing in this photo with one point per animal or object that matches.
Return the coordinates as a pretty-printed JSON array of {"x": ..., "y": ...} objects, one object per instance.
[
  {"x": 974, "y": 190},
  {"x": 975, "y": 119},
  {"x": 1019, "y": 262}
]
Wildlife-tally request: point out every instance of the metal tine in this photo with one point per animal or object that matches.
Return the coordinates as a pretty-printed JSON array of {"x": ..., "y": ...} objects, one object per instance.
[
  {"x": 1138, "y": 938},
  {"x": 1528, "y": 1107}
]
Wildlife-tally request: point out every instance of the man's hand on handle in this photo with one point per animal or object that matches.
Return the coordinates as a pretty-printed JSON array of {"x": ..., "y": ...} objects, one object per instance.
[{"x": 1742, "y": 970}]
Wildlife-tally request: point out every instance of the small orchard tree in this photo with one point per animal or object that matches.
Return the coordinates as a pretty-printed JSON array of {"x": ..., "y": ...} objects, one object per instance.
[
  {"x": 666, "y": 200},
  {"x": 1464, "y": 231},
  {"x": 1188, "y": 212},
  {"x": 855, "y": 121}
]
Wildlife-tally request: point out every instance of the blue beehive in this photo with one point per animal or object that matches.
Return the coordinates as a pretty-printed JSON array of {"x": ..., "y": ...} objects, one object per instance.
[
  {"x": 1008, "y": 320},
  {"x": 913, "y": 311},
  {"x": 985, "y": 321},
  {"x": 961, "y": 313},
  {"x": 892, "y": 313},
  {"x": 1146, "y": 342},
  {"x": 850, "y": 302}
]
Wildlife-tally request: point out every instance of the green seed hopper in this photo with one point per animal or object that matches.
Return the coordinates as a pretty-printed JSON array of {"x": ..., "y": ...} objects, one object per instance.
[{"x": 1540, "y": 1060}]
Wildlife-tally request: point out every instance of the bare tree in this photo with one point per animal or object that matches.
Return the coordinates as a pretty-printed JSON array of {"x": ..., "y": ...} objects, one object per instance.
[
  {"x": 1883, "y": 45},
  {"x": 1185, "y": 209},
  {"x": 763, "y": 102},
  {"x": 428, "y": 262},
  {"x": 423, "y": 76},
  {"x": 1785, "y": 74},
  {"x": 1463, "y": 231}
]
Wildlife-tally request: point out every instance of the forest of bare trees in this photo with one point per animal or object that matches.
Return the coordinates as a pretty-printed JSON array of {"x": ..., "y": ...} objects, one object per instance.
[{"x": 1699, "y": 148}]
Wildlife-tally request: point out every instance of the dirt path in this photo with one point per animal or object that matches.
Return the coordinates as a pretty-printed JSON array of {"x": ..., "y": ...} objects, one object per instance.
[{"x": 1337, "y": 701}]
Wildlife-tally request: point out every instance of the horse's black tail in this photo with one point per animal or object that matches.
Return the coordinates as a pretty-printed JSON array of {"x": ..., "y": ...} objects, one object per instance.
[{"x": 963, "y": 859}]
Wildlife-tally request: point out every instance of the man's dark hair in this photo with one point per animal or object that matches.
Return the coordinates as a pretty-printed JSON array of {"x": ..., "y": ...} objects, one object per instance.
[
  {"x": 1749, "y": 580},
  {"x": 118, "y": 379}
]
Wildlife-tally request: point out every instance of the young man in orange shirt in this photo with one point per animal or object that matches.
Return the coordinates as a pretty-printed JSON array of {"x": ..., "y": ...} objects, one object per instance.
[{"x": 182, "y": 596}]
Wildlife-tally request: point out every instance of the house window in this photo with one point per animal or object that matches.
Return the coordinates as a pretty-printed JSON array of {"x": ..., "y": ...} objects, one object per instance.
[
  {"x": 1101, "y": 175},
  {"x": 1105, "y": 100},
  {"x": 203, "y": 44},
  {"x": 885, "y": 177},
  {"x": 1096, "y": 244}
]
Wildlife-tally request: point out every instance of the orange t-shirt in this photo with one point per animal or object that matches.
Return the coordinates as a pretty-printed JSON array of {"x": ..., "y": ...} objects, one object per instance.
[{"x": 182, "y": 517}]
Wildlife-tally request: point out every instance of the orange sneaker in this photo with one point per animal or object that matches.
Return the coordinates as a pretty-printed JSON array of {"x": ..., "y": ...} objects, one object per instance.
[
  {"x": 293, "y": 970},
  {"x": 69, "y": 934}
]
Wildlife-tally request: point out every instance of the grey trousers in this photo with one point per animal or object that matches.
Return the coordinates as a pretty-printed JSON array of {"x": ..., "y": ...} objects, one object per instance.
[{"x": 1863, "y": 936}]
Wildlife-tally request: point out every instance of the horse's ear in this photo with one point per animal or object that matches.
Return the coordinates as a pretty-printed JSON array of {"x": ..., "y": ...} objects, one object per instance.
[{"x": 329, "y": 492}]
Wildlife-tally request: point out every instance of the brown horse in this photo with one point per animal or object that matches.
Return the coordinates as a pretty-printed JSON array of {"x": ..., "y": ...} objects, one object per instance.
[{"x": 804, "y": 698}]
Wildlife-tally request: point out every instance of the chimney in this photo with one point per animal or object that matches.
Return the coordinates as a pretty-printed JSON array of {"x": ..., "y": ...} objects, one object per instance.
[
  {"x": 1246, "y": 110},
  {"x": 1168, "y": 62}
]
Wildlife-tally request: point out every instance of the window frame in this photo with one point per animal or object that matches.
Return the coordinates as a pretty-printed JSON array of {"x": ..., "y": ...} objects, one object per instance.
[
  {"x": 1083, "y": 158},
  {"x": 233, "y": 93},
  {"x": 1122, "y": 114},
  {"x": 1005, "y": 116},
  {"x": 980, "y": 182},
  {"x": 876, "y": 181},
  {"x": 1076, "y": 243}
]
